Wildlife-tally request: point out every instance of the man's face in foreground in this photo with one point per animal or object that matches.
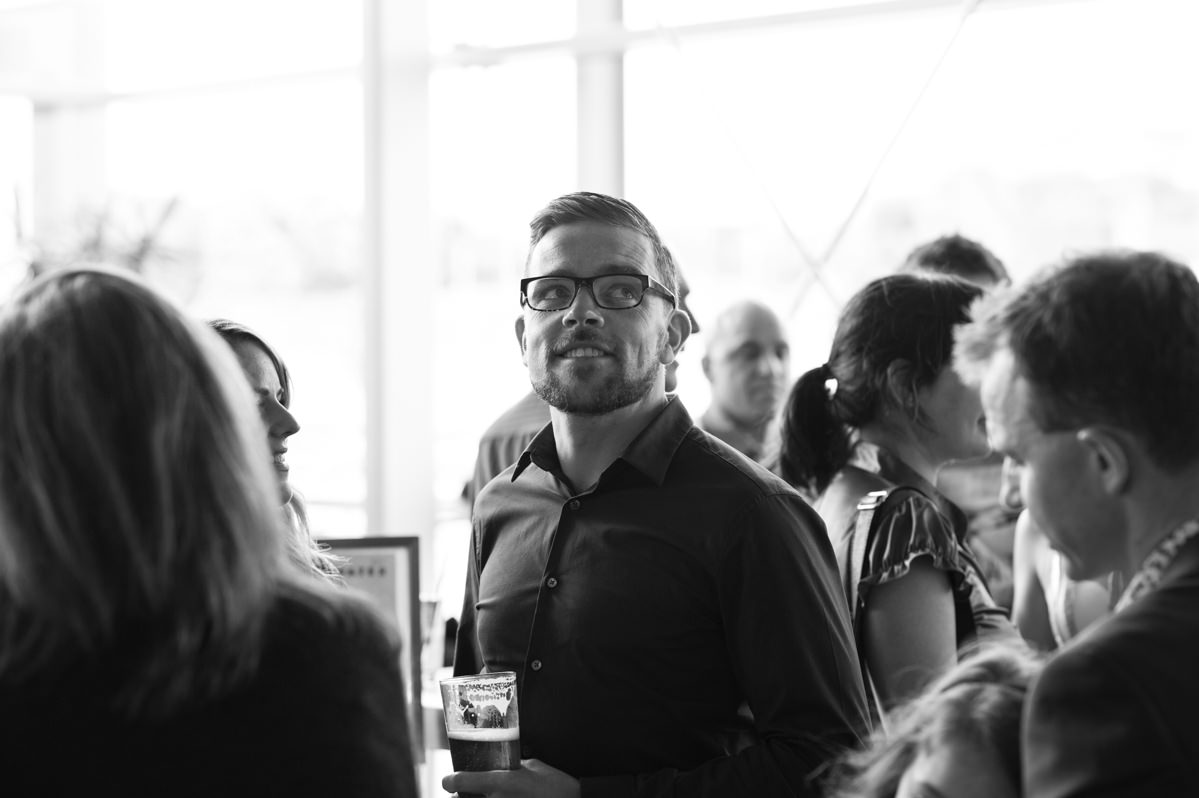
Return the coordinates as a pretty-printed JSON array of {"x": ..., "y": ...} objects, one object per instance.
[
  {"x": 1058, "y": 483},
  {"x": 586, "y": 359}
]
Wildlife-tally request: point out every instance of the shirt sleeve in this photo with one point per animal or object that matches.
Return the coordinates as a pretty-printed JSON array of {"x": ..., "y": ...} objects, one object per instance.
[
  {"x": 912, "y": 528},
  {"x": 374, "y": 729},
  {"x": 792, "y": 651},
  {"x": 348, "y": 712},
  {"x": 467, "y": 660}
]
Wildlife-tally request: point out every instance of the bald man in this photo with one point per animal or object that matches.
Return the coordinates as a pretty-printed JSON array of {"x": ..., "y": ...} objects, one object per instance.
[{"x": 747, "y": 364}]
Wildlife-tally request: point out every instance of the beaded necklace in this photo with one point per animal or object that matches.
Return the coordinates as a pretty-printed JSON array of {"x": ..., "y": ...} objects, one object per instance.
[{"x": 1157, "y": 562}]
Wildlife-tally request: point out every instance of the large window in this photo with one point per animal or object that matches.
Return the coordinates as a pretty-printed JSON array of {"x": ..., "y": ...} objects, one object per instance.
[
  {"x": 267, "y": 231},
  {"x": 1045, "y": 128},
  {"x": 786, "y": 150},
  {"x": 229, "y": 158},
  {"x": 503, "y": 144},
  {"x": 16, "y": 181}
]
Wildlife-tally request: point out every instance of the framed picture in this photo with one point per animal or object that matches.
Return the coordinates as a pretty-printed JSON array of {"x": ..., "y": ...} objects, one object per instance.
[{"x": 387, "y": 570}]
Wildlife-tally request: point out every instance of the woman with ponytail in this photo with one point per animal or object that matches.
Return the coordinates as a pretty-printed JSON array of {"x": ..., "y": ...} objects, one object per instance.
[{"x": 864, "y": 435}]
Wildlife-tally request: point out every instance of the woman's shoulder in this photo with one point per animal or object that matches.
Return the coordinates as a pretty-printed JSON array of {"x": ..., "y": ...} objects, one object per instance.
[
  {"x": 911, "y": 514},
  {"x": 909, "y": 525},
  {"x": 316, "y": 614},
  {"x": 838, "y": 503}
]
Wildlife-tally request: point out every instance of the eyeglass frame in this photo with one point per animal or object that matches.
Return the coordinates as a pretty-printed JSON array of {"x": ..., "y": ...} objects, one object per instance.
[{"x": 647, "y": 284}]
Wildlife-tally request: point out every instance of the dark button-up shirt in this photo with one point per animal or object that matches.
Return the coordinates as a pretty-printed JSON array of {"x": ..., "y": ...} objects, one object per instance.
[{"x": 677, "y": 630}]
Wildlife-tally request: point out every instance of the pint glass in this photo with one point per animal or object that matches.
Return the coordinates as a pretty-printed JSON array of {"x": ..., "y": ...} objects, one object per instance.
[{"x": 482, "y": 721}]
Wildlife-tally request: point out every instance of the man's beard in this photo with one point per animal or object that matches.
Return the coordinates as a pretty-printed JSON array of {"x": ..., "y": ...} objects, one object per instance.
[{"x": 615, "y": 392}]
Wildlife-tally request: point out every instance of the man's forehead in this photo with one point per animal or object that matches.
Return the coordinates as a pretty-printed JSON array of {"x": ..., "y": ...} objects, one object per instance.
[
  {"x": 748, "y": 323},
  {"x": 1006, "y": 399},
  {"x": 589, "y": 247}
]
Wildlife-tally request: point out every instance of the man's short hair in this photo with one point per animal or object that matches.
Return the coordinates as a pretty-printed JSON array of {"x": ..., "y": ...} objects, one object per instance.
[
  {"x": 959, "y": 256},
  {"x": 1104, "y": 338},
  {"x": 587, "y": 206}
]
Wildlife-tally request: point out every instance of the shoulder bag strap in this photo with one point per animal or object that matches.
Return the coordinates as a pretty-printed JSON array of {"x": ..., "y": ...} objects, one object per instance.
[{"x": 864, "y": 531}]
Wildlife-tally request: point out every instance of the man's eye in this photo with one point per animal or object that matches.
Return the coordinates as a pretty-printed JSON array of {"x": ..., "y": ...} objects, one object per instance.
[
  {"x": 616, "y": 289},
  {"x": 552, "y": 291}
]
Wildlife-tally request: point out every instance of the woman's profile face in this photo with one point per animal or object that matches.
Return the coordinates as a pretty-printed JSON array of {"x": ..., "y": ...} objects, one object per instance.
[
  {"x": 276, "y": 417},
  {"x": 954, "y": 424},
  {"x": 956, "y": 768}
]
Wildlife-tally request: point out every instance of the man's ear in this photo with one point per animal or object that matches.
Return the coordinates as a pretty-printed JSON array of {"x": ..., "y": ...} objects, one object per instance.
[
  {"x": 1107, "y": 457},
  {"x": 520, "y": 337},
  {"x": 678, "y": 330},
  {"x": 706, "y": 363}
]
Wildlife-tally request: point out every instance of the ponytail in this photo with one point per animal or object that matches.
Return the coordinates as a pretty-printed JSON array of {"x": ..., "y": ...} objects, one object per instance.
[{"x": 814, "y": 444}]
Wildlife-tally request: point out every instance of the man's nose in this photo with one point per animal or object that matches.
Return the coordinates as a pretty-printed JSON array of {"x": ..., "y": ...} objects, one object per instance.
[
  {"x": 584, "y": 309},
  {"x": 772, "y": 365}
]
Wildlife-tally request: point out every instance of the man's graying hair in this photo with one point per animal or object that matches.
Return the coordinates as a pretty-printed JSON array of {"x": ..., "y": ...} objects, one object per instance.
[
  {"x": 1109, "y": 337},
  {"x": 588, "y": 206}
]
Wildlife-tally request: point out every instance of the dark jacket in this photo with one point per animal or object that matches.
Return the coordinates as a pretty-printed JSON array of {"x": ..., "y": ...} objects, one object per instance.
[
  {"x": 323, "y": 715},
  {"x": 1116, "y": 713}
]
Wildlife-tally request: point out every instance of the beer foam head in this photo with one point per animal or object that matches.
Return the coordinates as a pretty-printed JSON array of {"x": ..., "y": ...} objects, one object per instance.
[{"x": 484, "y": 735}]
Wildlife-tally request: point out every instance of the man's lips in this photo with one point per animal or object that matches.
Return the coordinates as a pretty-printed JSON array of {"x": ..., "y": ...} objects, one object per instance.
[
  {"x": 583, "y": 351},
  {"x": 580, "y": 349},
  {"x": 771, "y": 387}
]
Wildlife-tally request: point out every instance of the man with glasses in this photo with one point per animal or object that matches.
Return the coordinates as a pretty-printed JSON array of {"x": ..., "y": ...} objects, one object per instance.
[
  {"x": 506, "y": 437},
  {"x": 671, "y": 608}
]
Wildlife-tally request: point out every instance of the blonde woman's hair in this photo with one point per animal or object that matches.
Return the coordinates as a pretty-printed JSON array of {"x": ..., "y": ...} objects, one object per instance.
[
  {"x": 139, "y": 526},
  {"x": 978, "y": 700}
]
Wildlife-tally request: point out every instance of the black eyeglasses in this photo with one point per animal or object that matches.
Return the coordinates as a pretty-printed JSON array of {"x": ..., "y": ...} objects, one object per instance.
[{"x": 611, "y": 291}]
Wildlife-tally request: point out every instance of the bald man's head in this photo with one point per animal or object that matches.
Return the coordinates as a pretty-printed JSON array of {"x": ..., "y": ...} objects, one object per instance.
[{"x": 747, "y": 362}]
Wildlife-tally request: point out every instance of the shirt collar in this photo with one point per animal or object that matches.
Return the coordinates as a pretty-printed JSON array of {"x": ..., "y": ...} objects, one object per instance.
[
  {"x": 1150, "y": 574},
  {"x": 651, "y": 452},
  {"x": 541, "y": 450}
]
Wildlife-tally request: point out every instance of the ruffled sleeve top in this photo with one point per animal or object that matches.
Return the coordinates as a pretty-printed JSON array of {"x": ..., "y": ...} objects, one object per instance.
[{"x": 932, "y": 526}]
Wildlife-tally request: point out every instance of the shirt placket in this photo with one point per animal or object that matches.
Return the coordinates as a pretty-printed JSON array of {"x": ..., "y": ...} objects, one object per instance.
[{"x": 540, "y": 667}]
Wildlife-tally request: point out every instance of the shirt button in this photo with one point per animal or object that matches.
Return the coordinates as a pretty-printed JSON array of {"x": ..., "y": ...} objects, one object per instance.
[
  {"x": 535, "y": 664},
  {"x": 574, "y": 504},
  {"x": 551, "y": 583}
]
